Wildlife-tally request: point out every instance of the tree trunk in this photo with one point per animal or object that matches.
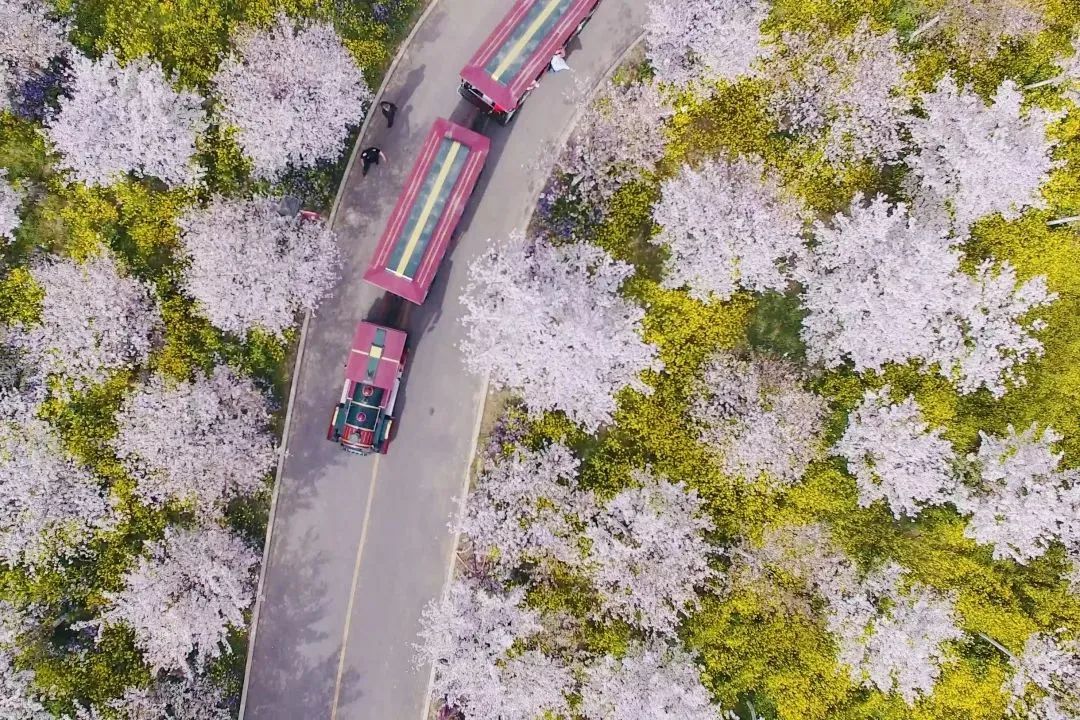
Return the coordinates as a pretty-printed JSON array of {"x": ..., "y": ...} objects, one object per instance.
[{"x": 924, "y": 27}]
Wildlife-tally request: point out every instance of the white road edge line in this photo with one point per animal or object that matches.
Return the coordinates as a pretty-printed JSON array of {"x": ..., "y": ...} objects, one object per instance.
[
  {"x": 402, "y": 49},
  {"x": 352, "y": 588},
  {"x": 425, "y": 715},
  {"x": 457, "y": 525}
]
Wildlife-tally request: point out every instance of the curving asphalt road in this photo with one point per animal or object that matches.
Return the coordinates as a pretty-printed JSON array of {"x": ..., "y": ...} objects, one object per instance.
[{"x": 359, "y": 545}]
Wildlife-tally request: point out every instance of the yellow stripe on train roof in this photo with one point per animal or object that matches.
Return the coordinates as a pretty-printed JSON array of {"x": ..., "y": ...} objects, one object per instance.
[
  {"x": 433, "y": 196},
  {"x": 524, "y": 39}
]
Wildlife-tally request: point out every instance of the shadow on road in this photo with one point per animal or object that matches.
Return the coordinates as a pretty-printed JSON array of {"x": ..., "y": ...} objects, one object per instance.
[{"x": 296, "y": 681}]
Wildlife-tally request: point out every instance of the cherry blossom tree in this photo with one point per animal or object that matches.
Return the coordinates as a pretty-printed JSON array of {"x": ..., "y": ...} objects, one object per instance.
[
  {"x": 548, "y": 322},
  {"x": 756, "y": 415},
  {"x": 94, "y": 320},
  {"x": 525, "y": 507},
  {"x": 619, "y": 139},
  {"x": 30, "y": 36},
  {"x": 18, "y": 698},
  {"x": 1046, "y": 679},
  {"x": 878, "y": 286},
  {"x": 906, "y": 644},
  {"x": 206, "y": 441},
  {"x": 126, "y": 119},
  {"x": 1024, "y": 500},
  {"x": 649, "y": 553},
  {"x": 650, "y": 682},
  {"x": 980, "y": 27},
  {"x": 993, "y": 343},
  {"x": 983, "y": 159},
  {"x": 292, "y": 93},
  {"x": 172, "y": 699},
  {"x": 896, "y": 456},
  {"x": 884, "y": 286},
  {"x": 183, "y": 595},
  {"x": 252, "y": 267},
  {"x": 50, "y": 507},
  {"x": 704, "y": 40},
  {"x": 468, "y": 636},
  {"x": 846, "y": 90},
  {"x": 10, "y": 199},
  {"x": 891, "y": 634},
  {"x": 728, "y": 226}
]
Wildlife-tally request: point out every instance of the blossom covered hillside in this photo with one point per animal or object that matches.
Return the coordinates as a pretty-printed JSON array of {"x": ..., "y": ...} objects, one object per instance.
[{"x": 828, "y": 343}]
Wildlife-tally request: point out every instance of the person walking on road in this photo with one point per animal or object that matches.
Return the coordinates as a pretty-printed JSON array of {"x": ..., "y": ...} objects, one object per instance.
[
  {"x": 371, "y": 156},
  {"x": 389, "y": 110}
]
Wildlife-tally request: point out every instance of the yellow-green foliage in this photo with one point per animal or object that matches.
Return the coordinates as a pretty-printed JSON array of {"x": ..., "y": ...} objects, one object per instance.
[
  {"x": 754, "y": 645},
  {"x": 20, "y": 298}
]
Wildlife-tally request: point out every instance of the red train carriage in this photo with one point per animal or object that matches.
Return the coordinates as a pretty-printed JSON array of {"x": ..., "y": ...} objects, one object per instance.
[
  {"x": 427, "y": 211},
  {"x": 515, "y": 56},
  {"x": 364, "y": 417}
]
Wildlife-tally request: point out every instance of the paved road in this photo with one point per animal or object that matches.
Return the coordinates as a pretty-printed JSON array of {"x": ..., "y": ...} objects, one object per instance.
[{"x": 360, "y": 545}]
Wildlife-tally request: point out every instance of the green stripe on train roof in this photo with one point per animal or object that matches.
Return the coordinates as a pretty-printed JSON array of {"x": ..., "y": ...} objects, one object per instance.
[
  {"x": 527, "y": 35},
  {"x": 416, "y": 253}
]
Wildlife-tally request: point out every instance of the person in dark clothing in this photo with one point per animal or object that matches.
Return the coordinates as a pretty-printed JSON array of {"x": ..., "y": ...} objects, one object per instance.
[
  {"x": 389, "y": 110},
  {"x": 371, "y": 156}
]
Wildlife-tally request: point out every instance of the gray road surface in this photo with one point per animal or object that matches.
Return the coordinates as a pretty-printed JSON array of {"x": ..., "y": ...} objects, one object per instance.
[{"x": 360, "y": 545}]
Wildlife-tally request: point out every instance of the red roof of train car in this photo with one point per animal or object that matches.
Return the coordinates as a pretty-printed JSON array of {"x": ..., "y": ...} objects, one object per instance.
[
  {"x": 375, "y": 355},
  {"x": 521, "y": 46},
  {"x": 427, "y": 211}
]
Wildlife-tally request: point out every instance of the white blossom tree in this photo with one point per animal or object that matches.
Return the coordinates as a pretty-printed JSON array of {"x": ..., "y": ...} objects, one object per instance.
[
  {"x": 1046, "y": 679},
  {"x": 983, "y": 159},
  {"x": 126, "y": 119},
  {"x": 980, "y": 27},
  {"x": 756, "y": 415},
  {"x": 30, "y": 36},
  {"x": 94, "y": 320},
  {"x": 619, "y": 138},
  {"x": 890, "y": 634},
  {"x": 883, "y": 286},
  {"x": 183, "y": 595},
  {"x": 10, "y": 199},
  {"x": 878, "y": 287},
  {"x": 252, "y": 267},
  {"x": 896, "y": 456},
  {"x": 549, "y": 323},
  {"x": 206, "y": 441},
  {"x": 704, "y": 40},
  {"x": 19, "y": 699},
  {"x": 525, "y": 507},
  {"x": 1024, "y": 500},
  {"x": 906, "y": 645},
  {"x": 649, "y": 553},
  {"x": 728, "y": 226},
  {"x": 650, "y": 682},
  {"x": 50, "y": 506},
  {"x": 845, "y": 90},
  {"x": 469, "y": 636},
  {"x": 172, "y": 699},
  {"x": 993, "y": 343},
  {"x": 292, "y": 94}
]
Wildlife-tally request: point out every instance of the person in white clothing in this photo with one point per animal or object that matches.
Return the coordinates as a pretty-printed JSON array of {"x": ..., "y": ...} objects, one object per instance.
[{"x": 558, "y": 61}]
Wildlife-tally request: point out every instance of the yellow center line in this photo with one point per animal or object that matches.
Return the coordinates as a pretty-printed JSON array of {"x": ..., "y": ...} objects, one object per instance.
[
  {"x": 352, "y": 590},
  {"x": 524, "y": 40},
  {"x": 433, "y": 196}
]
